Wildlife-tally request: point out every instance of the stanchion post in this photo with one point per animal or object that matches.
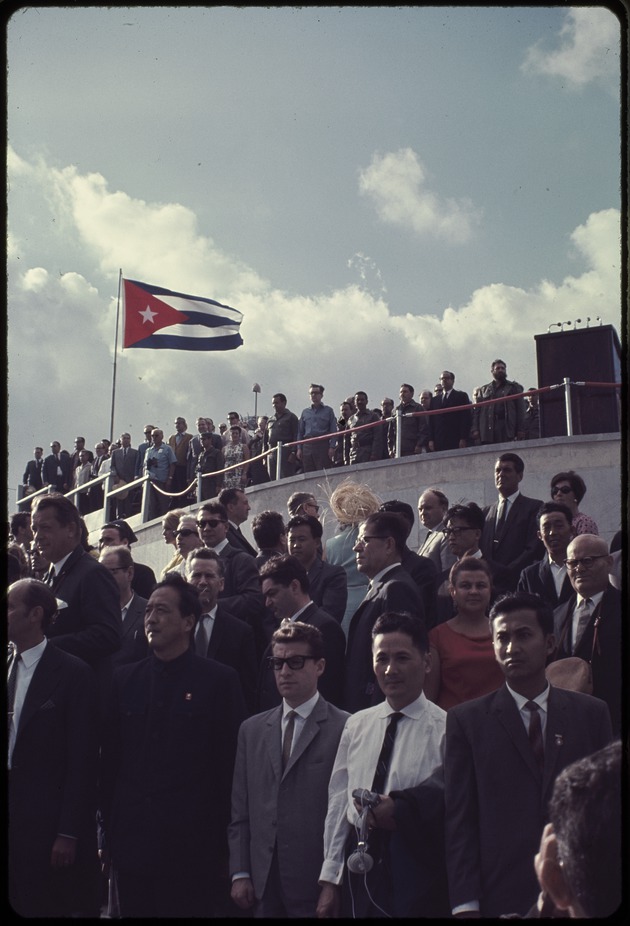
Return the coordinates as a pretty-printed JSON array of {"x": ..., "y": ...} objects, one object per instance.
[
  {"x": 399, "y": 416},
  {"x": 279, "y": 460},
  {"x": 567, "y": 405}
]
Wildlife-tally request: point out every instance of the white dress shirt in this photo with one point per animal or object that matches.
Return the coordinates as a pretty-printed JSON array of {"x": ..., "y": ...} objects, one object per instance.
[{"x": 25, "y": 671}]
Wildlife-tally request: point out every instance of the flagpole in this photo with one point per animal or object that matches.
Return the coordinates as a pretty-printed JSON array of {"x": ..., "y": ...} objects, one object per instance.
[{"x": 111, "y": 422}]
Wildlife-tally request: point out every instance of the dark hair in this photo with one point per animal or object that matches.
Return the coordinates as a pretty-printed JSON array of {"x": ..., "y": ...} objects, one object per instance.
[
  {"x": 38, "y": 594},
  {"x": 524, "y": 601},
  {"x": 229, "y": 496},
  {"x": 401, "y": 622},
  {"x": 514, "y": 458},
  {"x": 387, "y": 524},
  {"x": 215, "y": 508},
  {"x": 206, "y": 553},
  {"x": 267, "y": 528},
  {"x": 361, "y": 392},
  {"x": 124, "y": 530},
  {"x": 283, "y": 570},
  {"x": 576, "y": 482},
  {"x": 298, "y": 632},
  {"x": 306, "y": 520},
  {"x": 19, "y": 521},
  {"x": 494, "y": 363},
  {"x": 470, "y": 513},
  {"x": 279, "y": 395},
  {"x": 407, "y": 386},
  {"x": 469, "y": 564},
  {"x": 401, "y": 508},
  {"x": 297, "y": 500},
  {"x": 586, "y": 812},
  {"x": 64, "y": 511},
  {"x": 550, "y": 508},
  {"x": 317, "y": 386},
  {"x": 189, "y": 603}
]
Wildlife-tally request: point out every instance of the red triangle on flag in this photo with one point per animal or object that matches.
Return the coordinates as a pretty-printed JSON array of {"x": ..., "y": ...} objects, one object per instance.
[{"x": 145, "y": 314}]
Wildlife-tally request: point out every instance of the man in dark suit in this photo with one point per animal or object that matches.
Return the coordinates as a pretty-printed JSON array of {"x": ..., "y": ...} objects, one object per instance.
[
  {"x": 379, "y": 550},
  {"x": 449, "y": 431},
  {"x": 52, "y": 860},
  {"x": 503, "y": 753},
  {"x": 87, "y": 623},
  {"x": 118, "y": 533},
  {"x": 168, "y": 758},
  {"x": 421, "y": 569},
  {"x": 56, "y": 469},
  {"x": 219, "y": 634},
  {"x": 285, "y": 587},
  {"x": 510, "y": 535},
  {"x": 270, "y": 534},
  {"x": 118, "y": 561},
  {"x": 280, "y": 789},
  {"x": 238, "y": 508},
  {"x": 588, "y": 625},
  {"x": 124, "y": 460},
  {"x": 328, "y": 584},
  {"x": 548, "y": 577},
  {"x": 32, "y": 478}
]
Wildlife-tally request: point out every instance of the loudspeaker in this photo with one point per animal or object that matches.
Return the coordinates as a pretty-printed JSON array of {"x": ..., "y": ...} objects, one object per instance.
[{"x": 591, "y": 355}]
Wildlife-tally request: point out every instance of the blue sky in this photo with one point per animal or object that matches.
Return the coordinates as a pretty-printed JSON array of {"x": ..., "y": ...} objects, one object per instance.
[{"x": 384, "y": 193}]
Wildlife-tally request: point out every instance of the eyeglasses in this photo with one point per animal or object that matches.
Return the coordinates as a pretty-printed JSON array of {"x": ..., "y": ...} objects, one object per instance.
[
  {"x": 293, "y": 662},
  {"x": 185, "y": 532},
  {"x": 116, "y": 568},
  {"x": 367, "y": 537},
  {"x": 585, "y": 561},
  {"x": 448, "y": 531},
  {"x": 211, "y": 522},
  {"x": 561, "y": 490}
]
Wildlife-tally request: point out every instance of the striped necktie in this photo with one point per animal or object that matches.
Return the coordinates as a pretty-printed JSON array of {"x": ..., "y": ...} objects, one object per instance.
[{"x": 382, "y": 766}]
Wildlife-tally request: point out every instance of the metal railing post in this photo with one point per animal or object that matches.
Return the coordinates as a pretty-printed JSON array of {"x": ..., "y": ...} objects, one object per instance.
[
  {"x": 199, "y": 484},
  {"x": 567, "y": 405},
  {"x": 144, "y": 509},
  {"x": 279, "y": 460},
  {"x": 399, "y": 417}
]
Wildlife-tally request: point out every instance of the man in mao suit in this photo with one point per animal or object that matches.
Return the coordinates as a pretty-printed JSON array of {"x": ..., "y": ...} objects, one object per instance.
[
  {"x": 285, "y": 586},
  {"x": 499, "y": 771},
  {"x": 379, "y": 549},
  {"x": 278, "y": 813},
  {"x": 510, "y": 544},
  {"x": 52, "y": 859},
  {"x": 450, "y": 431},
  {"x": 549, "y": 577},
  {"x": 124, "y": 460},
  {"x": 225, "y": 638},
  {"x": 599, "y": 642}
]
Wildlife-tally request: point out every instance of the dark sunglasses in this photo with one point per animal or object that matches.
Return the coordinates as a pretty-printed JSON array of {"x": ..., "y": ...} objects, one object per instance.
[
  {"x": 293, "y": 662},
  {"x": 211, "y": 522},
  {"x": 186, "y": 532},
  {"x": 564, "y": 490}
]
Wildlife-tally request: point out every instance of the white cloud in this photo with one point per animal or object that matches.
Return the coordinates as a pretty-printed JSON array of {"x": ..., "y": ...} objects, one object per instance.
[
  {"x": 396, "y": 183},
  {"x": 588, "y": 49}
]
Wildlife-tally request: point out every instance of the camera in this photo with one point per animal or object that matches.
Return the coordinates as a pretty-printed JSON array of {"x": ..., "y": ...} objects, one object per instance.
[{"x": 366, "y": 798}]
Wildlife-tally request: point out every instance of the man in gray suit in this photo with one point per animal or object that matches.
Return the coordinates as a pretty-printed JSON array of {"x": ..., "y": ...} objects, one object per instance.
[
  {"x": 123, "y": 467},
  {"x": 280, "y": 788},
  {"x": 432, "y": 508},
  {"x": 134, "y": 646}
]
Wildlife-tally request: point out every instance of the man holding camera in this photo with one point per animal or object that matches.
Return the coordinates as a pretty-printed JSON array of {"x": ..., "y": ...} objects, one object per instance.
[{"x": 390, "y": 758}]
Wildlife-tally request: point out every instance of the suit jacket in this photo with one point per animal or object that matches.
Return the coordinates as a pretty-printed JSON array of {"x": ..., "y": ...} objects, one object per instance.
[
  {"x": 435, "y": 548},
  {"x": 446, "y": 431},
  {"x": 134, "y": 646},
  {"x": 328, "y": 587},
  {"x": 331, "y": 681},
  {"x": 232, "y": 642},
  {"x": 238, "y": 540},
  {"x": 497, "y": 797},
  {"x": 269, "y": 809},
  {"x": 49, "y": 472},
  {"x": 425, "y": 575},
  {"x": 538, "y": 580},
  {"x": 52, "y": 786},
  {"x": 180, "y": 450},
  {"x": 605, "y": 657},
  {"x": 144, "y": 580},
  {"x": 396, "y": 591},
  {"x": 125, "y": 466},
  {"x": 517, "y": 545},
  {"x": 33, "y": 474}
]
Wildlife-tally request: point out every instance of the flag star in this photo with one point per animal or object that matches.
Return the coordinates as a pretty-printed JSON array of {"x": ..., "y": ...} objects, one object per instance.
[{"x": 147, "y": 315}]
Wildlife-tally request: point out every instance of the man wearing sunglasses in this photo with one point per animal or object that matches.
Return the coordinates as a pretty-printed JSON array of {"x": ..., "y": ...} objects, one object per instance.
[
  {"x": 280, "y": 789},
  {"x": 588, "y": 625}
]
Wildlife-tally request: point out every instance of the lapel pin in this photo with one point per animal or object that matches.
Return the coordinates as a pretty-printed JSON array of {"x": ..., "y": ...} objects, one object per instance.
[
  {"x": 559, "y": 739},
  {"x": 188, "y": 696}
]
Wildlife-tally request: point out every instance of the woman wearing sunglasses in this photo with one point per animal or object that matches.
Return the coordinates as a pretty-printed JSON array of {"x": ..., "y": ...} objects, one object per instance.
[{"x": 570, "y": 489}]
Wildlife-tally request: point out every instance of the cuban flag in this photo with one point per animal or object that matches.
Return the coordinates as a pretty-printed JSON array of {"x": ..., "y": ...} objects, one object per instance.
[{"x": 158, "y": 318}]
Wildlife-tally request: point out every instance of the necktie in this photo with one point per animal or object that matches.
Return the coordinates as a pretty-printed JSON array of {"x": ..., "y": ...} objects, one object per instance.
[
  {"x": 584, "y": 612},
  {"x": 385, "y": 755},
  {"x": 201, "y": 638},
  {"x": 535, "y": 733},
  {"x": 287, "y": 742},
  {"x": 11, "y": 686},
  {"x": 49, "y": 578}
]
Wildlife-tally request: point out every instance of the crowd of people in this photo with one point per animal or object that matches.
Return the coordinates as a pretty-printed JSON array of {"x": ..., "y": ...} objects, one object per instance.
[{"x": 309, "y": 728}]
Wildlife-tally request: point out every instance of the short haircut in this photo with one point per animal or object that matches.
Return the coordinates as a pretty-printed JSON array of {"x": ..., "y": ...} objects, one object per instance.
[
  {"x": 229, "y": 496},
  {"x": 361, "y": 392},
  {"x": 61, "y": 507},
  {"x": 206, "y": 553},
  {"x": 494, "y": 363},
  {"x": 407, "y": 386},
  {"x": 469, "y": 564},
  {"x": 298, "y": 632},
  {"x": 551, "y": 508},
  {"x": 470, "y": 513},
  {"x": 586, "y": 812},
  {"x": 268, "y": 527},
  {"x": 306, "y": 520},
  {"x": 514, "y": 458},
  {"x": 37, "y": 594},
  {"x": 215, "y": 508},
  {"x": 401, "y": 622},
  {"x": 297, "y": 500},
  {"x": 524, "y": 601},
  {"x": 441, "y": 497},
  {"x": 19, "y": 521},
  {"x": 283, "y": 570},
  {"x": 401, "y": 508},
  {"x": 387, "y": 524},
  {"x": 279, "y": 395},
  {"x": 188, "y": 595},
  {"x": 122, "y": 552},
  {"x": 317, "y": 386},
  {"x": 576, "y": 482}
]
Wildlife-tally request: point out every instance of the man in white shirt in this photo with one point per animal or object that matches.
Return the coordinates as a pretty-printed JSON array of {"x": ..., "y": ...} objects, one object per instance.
[
  {"x": 401, "y": 871},
  {"x": 548, "y": 577}
]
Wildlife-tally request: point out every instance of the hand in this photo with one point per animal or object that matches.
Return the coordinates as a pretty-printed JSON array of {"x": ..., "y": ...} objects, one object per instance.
[
  {"x": 298, "y": 453},
  {"x": 329, "y": 903},
  {"x": 474, "y": 435},
  {"x": 431, "y": 446},
  {"x": 64, "y": 852},
  {"x": 463, "y": 443},
  {"x": 242, "y": 893},
  {"x": 520, "y": 435},
  {"x": 331, "y": 453},
  {"x": 382, "y": 816}
]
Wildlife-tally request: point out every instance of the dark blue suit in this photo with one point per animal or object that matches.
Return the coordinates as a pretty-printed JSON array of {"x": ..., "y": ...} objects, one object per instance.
[{"x": 538, "y": 580}]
